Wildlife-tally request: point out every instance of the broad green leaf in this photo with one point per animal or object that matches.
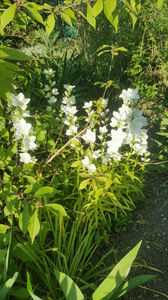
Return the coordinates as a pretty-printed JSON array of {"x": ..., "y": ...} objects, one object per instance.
[
  {"x": 32, "y": 188},
  {"x": 34, "y": 226},
  {"x": 45, "y": 190},
  {"x": 66, "y": 18},
  {"x": 97, "y": 8},
  {"x": 50, "y": 23},
  {"x": 57, "y": 209},
  {"x": 8, "y": 284},
  {"x": 76, "y": 164},
  {"x": 109, "y": 7},
  {"x": 24, "y": 219},
  {"x": 7, "y": 16},
  {"x": 121, "y": 49},
  {"x": 90, "y": 16},
  {"x": 133, "y": 18},
  {"x": 3, "y": 228},
  {"x": 68, "y": 286},
  {"x": 160, "y": 3},
  {"x": 84, "y": 175},
  {"x": 41, "y": 135},
  {"x": 116, "y": 276},
  {"x": 34, "y": 13},
  {"x": 70, "y": 13},
  {"x": 30, "y": 290},
  {"x": 131, "y": 284},
  {"x": 12, "y": 54},
  {"x": 84, "y": 184}
]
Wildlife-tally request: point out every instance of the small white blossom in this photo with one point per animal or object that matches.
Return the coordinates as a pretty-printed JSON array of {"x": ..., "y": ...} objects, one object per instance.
[
  {"x": 89, "y": 136},
  {"x": 87, "y": 105},
  {"x": 129, "y": 95},
  {"x": 91, "y": 168},
  {"x": 49, "y": 72},
  {"x": 86, "y": 162},
  {"x": 46, "y": 88},
  {"x": 22, "y": 128},
  {"x": 29, "y": 143},
  {"x": 20, "y": 100},
  {"x": 55, "y": 92},
  {"x": 26, "y": 158},
  {"x": 68, "y": 87},
  {"x": 103, "y": 129},
  {"x": 72, "y": 130},
  {"x": 52, "y": 100}
]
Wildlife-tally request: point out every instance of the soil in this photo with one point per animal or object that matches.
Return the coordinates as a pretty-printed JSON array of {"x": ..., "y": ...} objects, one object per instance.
[{"x": 150, "y": 224}]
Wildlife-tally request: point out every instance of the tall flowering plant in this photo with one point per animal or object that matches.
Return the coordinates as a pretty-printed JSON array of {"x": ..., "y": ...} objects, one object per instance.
[{"x": 110, "y": 153}]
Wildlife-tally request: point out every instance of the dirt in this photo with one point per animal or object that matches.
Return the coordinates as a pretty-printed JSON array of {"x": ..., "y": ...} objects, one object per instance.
[{"x": 150, "y": 224}]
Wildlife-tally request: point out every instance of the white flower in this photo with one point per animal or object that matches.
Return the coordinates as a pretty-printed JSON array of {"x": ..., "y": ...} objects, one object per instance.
[
  {"x": 49, "y": 108},
  {"x": 26, "y": 158},
  {"x": 72, "y": 130},
  {"x": 129, "y": 95},
  {"x": 46, "y": 88},
  {"x": 89, "y": 136},
  {"x": 55, "y": 91},
  {"x": 53, "y": 83},
  {"x": 87, "y": 105},
  {"x": 48, "y": 95},
  {"x": 65, "y": 100},
  {"x": 68, "y": 87},
  {"x": 103, "y": 129},
  {"x": 22, "y": 128},
  {"x": 86, "y": 162},
  {"x": 138, "y": 122},
  {"x": 49, "y": 72},
  {"x": 104, "y": 102},
  {"x": 29, "y": 143},
  {"x": 20, "y": 100},
  {"x": 91, "y": 168},
  {"x": 52, "y": 100},
  {"x": 117, "y": 139},
  {"x": 96, "y": 154},
  {"x": 70, "y": 110}
]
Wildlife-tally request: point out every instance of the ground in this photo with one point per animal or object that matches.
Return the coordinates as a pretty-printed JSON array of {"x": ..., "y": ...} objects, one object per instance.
[{"x": 150, "y": 224}]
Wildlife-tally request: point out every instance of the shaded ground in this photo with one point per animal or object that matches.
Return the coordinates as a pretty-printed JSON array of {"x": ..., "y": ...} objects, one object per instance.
[{"x": 150, "y": 224}]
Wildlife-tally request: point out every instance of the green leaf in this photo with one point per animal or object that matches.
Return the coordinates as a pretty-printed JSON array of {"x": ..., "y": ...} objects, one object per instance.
[
  {"x": 84, "y": 184},
  {"x": 131, "y": 284},
  {"x": 30, "y": 290},
  {"x": 50, "y": 23},
  {"x": 109, "y": 7},
  {"x": 45, "y": 191},
  {"x": 90, "y": 16},
  {"x": 160, "y": 3},
  {"x": 68, "y": 286},
  {"x": 7, "y": 16},
  {"x": 57, "y": 209},
  {"x": 24, "y": 219},
  {"x": 76, "y": 164},
  {"x": 70, "y": 13},
  {"x": 41, "y": 135},
  {"x": 13, "y": 54},
  {"x": 116, "y": 276},
  {"x": 3, "y": 228},
  {"x": 66, "y": 18},
  {"x": 34, "y": 226},
  {"x": 34, "y": 13},
  {"x": 8, "y": 284},
  {"x": 97, "y": 8}
]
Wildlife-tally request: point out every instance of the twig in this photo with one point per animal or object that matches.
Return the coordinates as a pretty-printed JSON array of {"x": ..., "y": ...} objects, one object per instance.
[
  {"x": 65, "y": 145},
  {"x": 154, "y": 291}
]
